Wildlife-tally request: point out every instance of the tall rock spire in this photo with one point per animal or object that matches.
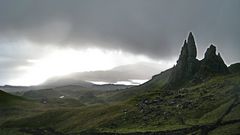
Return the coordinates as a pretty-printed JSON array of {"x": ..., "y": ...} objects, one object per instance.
[
  {"x": 187, "y": 64},
  {"x": 211, "y": 52},
  {"x": 193, "y": 63},
  {"x": 189, "y": 68},
  {"x": 191, "y": 46},
  {"x": 184, "y": 52}
]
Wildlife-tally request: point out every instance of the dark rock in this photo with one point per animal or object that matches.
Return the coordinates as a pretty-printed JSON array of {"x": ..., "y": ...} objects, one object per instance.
[
  {"x": 234, "y": 68},
  {"x": 189, "y": 69},
  {"x": 191, "y": 46},
  {"x": 212, "y": 64},
  {"x": 44, "y": 100},
  {"x": 125, "y": 111},
  {"x": 179, "y": 96},
  {"x": 187, "y": 64},
  {"x": 146, "y": 101},
  {"x": 211, "y": 52},
  {"x": 187, "y": 105}
]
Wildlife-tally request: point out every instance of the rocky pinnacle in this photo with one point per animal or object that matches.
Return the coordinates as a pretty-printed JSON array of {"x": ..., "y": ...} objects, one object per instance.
[{"x": 189, "y": 68}]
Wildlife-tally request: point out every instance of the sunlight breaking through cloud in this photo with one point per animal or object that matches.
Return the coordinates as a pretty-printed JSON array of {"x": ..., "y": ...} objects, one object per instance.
[{"x": 65, "y": 61}]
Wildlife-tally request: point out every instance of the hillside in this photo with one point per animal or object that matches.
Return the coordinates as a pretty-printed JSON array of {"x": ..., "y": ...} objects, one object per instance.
[
  {"x": 234, "y": 68},
  {"x": 9, "y": 88},
  {"x": 8, "y": 99},
  {"x": 188, "y": 71},
  {"x": 59, "y": 84},
  {"x": 200, "y": 97},
  {"x": 190, "y": 109},
  {"x": 97, "y": 94}
]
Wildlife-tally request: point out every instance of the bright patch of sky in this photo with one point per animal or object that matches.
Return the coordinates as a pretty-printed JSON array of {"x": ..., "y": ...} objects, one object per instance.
[{"x": 62, "y": 61}]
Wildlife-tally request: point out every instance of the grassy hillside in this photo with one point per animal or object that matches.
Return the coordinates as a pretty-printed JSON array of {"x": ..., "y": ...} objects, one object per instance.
[
  {"x": 210, "y": 107},
  {"x": 156, "y": 83},
  {"x": 77, "y": 93},
  {"x": 8, "y": 99}
]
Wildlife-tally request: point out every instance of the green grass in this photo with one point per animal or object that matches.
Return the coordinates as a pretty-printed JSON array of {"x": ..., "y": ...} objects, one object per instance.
[
  {"x": 213, "y": 116},
  {"x": 8, "y": 99},
  {"x": 234, "y": 114},
  {"x": 232, "y": 129},
  {"x": 70, "y": 119},
  {"x": 11, "y": 131},
  {"x": 204, "y": 103}
]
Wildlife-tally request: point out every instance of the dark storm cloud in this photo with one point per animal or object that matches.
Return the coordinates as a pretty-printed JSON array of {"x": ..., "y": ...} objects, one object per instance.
[{"x": 155, "y": 28}]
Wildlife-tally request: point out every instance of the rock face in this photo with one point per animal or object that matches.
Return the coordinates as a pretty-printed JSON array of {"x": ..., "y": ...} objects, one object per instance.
[
  {"x": 234, "y": 68},
  {"x": 212, "y": 64},
  {"x": 187, "y": 64},
  {"x": 191, "y": 46},
  {"x": 189, "y": 68}
]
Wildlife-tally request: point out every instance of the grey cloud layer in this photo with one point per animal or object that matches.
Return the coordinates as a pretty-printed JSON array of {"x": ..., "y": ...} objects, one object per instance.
[{"x": 154, "y": 28}]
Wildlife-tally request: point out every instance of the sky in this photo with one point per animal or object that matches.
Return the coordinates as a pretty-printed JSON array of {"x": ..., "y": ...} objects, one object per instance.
[{"x": 43, "y": 39}]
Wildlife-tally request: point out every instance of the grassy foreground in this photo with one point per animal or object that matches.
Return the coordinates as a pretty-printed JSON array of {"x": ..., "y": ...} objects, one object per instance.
[{"x": 211, "y": 107}]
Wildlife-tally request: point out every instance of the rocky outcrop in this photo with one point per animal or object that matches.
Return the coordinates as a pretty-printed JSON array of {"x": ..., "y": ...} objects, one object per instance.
[
  {"x": 192, "y": 62},
  {"x": 189, "y": 68},
  {"x": 191, "y": 46},
  {"x": 234, "y": 68},
  {"x": 187, "y": 64},
  {"x": 212, "y": 64}
]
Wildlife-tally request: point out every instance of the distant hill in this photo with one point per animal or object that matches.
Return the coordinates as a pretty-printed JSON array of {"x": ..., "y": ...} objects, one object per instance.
[
  {"x": 108, "y": 87},
  {"x": 9, "y": 88},
  {"x": 65, "y": 82},
  {"x": 59, "y": 82},
  {"x": 94, "y": 95},
  {"x": 139, "y": 71},
  {"x": 67, "y": 85}
]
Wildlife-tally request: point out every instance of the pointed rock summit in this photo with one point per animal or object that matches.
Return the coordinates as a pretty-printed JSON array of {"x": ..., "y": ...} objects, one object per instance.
[
  {"x": 191, "y": 46},
  {"x": 212, "y": 63},
  {"x": 211, "y": 52},
  {"x": 187, "y": 64},
  {"x": 189, "y": 68}
]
